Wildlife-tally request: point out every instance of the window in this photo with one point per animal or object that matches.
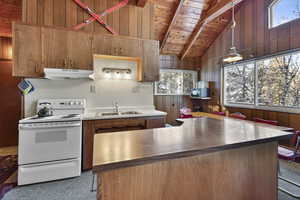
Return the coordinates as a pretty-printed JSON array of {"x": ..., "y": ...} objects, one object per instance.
[
  {"x": 283, "y": 11},
  {"x": 279, "y": 81},
  {"x": 272, "y": 83},
  {"x": 239, "y": 84},
  {"x": 175, "y": 82}
]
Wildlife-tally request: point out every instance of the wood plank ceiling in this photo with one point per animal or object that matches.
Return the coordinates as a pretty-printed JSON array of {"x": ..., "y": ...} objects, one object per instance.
[
  {"x": 176, "y": 23},
  {"x": 185, "y": 17}
]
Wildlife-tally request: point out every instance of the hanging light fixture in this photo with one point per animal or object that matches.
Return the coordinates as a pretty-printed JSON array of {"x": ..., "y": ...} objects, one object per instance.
[{"x": 233, "y": 55}]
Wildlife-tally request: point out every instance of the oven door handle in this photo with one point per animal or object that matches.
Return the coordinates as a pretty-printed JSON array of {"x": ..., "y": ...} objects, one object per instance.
[{"x": 26, "y": 126}]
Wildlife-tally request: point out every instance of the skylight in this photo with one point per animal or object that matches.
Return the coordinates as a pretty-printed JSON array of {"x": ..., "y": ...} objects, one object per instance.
[{"x": 283, "y": 11}]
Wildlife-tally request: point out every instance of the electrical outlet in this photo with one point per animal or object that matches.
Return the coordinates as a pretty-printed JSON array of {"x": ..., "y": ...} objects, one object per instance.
[{"x": 92, "y": 89}]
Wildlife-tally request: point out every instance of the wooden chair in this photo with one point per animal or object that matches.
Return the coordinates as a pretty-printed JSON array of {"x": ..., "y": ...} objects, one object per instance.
[
  {"x": 184, "y": 113},
  {"x": 237, "y": 116},
  {"x": 284, "y": 153},
  {"x": 264, "y": 121}
]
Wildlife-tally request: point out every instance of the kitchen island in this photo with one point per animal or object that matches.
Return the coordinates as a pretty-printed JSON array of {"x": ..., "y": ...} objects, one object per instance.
[{"x": 203, "y": 158}]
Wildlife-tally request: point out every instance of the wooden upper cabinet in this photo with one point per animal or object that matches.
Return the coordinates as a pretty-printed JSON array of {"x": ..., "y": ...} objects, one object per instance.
[
  {"x": 54, "y": 45},
  {"x": 127, "y": 47},
  {"x": 150, "y": 70},
  {"x": 27, "y": 54},
  {"x": 37, "y": 47},
  {"x": 80, "y": 51},
  {"x": 66, "y": 49},
  {"x": 102, "y": 44}
]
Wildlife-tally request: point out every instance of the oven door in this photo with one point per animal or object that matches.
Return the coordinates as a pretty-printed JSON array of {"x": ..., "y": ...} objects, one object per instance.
[{"x": 44, "y": 142}]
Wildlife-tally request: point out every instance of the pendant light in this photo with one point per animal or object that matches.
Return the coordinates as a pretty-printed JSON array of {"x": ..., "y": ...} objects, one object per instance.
[{"x": 233, "y": 55}]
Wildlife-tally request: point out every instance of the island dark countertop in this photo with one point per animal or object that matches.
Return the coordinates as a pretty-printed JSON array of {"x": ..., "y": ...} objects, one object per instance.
[{"x": 195, "y": 136}]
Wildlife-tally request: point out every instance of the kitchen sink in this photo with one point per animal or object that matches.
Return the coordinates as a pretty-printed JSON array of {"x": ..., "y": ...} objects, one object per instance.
[
  {"x": 130, "y": 113},
  {"x": 121, "y": 113},
  {"x": 109, "y": 114}
]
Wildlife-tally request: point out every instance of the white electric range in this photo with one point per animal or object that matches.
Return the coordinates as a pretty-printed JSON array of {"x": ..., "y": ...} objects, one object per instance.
[{"x": 50, "y": 147}]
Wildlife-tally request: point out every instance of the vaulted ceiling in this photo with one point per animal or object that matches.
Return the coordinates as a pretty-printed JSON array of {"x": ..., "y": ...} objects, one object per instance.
[{"x": 184, "y": 27}]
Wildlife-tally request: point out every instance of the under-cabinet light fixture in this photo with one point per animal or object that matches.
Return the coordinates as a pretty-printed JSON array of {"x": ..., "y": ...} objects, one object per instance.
[{"x": 117, "y": 73}]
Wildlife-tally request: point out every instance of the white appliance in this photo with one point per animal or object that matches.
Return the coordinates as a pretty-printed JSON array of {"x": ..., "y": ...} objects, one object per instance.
[
  {"x": 59, "y": 74},
  {"x": 50, "y": 147}
]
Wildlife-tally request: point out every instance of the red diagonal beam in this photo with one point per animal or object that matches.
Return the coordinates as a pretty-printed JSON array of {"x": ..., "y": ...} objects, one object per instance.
[
  {"x": 107, "y": 11},
  {"x": 94, "y": 15}
]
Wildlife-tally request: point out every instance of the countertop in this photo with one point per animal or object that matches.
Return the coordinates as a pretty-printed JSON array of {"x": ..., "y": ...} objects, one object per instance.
[
  {"x": 194, "y": 136},
  {"x": 142, "y": 113}
]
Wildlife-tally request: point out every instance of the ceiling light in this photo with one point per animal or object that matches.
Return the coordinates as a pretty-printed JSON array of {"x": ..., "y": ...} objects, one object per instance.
[{"x": 233, "y": 55}]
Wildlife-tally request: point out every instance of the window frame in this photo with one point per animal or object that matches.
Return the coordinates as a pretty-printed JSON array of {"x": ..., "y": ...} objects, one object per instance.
[
  {"x": 271, "y": 15},
  {"x": 285, "y": 109},
  {"x": 195, "y": 80}
]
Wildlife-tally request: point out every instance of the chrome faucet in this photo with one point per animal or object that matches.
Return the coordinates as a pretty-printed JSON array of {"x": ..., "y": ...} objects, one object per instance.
[{"x": 116, "y": 105}]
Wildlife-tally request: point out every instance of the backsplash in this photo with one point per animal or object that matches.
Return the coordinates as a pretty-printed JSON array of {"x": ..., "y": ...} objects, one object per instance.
[{"x": 98, "y": 93}]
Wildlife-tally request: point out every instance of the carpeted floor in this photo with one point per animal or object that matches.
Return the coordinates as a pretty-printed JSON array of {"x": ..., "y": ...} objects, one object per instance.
[
  {"x": 79, "y": 188},
  {"x": 8, "y": 166},
  {"x": 69, "y": 189}
]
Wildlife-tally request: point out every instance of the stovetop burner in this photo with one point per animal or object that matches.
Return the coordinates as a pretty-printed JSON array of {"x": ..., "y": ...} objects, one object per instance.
[
  {"x": 40, "y": 117},
  {"x": 69, "y": 116}
]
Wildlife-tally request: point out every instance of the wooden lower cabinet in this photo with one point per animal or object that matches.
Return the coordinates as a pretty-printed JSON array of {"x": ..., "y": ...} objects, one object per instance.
[{"x": 91, "y": 127}]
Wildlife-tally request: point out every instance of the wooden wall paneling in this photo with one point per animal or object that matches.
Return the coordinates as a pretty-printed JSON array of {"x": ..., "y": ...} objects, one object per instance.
[
  {"x": 100, "y": 6},
  {"x": 89, "y": 27},
  {"x": 252, "y": 36},
  {"x": 146, "y": 23},
  {"x": 133, "y": 21},
  {"x": 295, "y": 31},
  {"x": 31, "y": 10},
  {"x": 48, "y": 13},
  {"x": 129, "y": 20},
  {"x": 124, "y": 21},
  {"x": 114, "y": 18},
  {"x": 248, "y": 27},
  {"x": 5, "y": 48},
  {"x": 283, "y": 43},
  {"x": 71, "y": 13},
  {"x": 10, "y": 105},
  {"x": 294, "y": 120},
  {"x": 40, "y": 12}
]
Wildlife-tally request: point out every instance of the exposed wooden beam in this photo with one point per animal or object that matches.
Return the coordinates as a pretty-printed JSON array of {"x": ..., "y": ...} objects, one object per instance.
[
  {"x": 171, "y": 25},
  {"x": 141, "y": 3},
  {"x": 220, "y": 8}
]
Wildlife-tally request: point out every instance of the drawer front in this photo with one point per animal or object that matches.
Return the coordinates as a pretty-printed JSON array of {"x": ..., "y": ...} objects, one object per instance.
[{"x": 103, "y": 126}]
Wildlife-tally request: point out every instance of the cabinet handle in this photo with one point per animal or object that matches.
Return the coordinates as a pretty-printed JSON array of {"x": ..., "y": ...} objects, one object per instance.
[
  {"x": 65, "y": 63},
  {"x": 71, "y": 63},
  {"x": 36, "y": 70}
]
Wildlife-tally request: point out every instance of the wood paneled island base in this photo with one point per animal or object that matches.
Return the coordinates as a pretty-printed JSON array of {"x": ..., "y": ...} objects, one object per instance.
[
  {"x": 244, "y": 173},
  {"x": 203, "y": 159}
]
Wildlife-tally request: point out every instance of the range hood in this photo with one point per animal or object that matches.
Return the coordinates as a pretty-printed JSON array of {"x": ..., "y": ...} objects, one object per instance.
[{"x": 60, "y": 74}]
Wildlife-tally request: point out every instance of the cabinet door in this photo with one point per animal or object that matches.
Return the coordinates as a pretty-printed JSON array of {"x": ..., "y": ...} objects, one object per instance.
[
  {"x": 150, "y": 68},
  {"x": 127, "y": 47},
  {"x": 27, "y": 54},
  {"x": 102, "y": 44},
  {"x": 80, "y": 52},
  {"x": 158, "y": 122},
  {"x": 55, "y": 49}
]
